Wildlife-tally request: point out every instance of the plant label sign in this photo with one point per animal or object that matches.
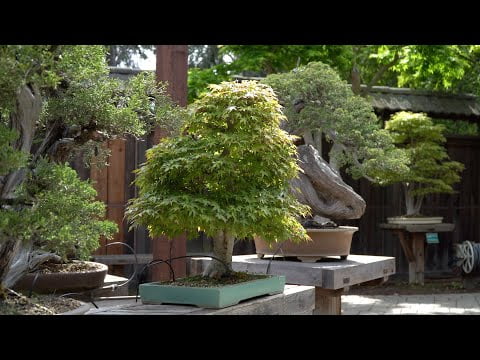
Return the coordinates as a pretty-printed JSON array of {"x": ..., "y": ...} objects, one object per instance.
[{"x": 432, "y": 238}]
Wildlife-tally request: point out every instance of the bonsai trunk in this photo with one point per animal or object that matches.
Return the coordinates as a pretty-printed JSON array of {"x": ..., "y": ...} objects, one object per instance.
[
  {"x": 222, "y": 249},
  {"x": 413, "y": 203},
  {"x": 23, "y": 119},
  {"x": 322, "y": 188}
]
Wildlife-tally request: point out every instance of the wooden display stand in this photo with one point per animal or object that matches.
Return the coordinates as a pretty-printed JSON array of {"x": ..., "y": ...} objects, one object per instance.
[
  {"x": 412, "y": 239},
  {"x": 330, "y": 276}
]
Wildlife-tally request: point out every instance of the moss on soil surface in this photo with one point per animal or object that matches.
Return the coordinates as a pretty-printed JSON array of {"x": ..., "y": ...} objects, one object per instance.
[
  {"x": 200, "y": 281},
  {"x": 18, "y": 304},
  {"x": 74, "y": 266}
]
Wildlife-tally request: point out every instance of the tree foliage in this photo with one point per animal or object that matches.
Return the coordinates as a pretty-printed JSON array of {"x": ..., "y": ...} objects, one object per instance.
[
  {"x": 124, "y": 55},
  {"x": 80, "y": 108},
  {"x": 452, "y": 68},
  {"x": 430, "y": 170},
  {"x": 348, "y": 120},
  {"x": 72, "y": 229},
  {"x": 229, "y": 171}
]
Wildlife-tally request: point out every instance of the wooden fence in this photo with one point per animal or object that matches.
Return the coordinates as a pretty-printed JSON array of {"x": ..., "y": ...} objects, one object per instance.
[{"x": 463, "y": 208}]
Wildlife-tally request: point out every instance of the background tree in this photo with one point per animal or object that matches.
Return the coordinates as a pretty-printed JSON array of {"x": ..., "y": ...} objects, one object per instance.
[
  {"x": 452, "y": 68},
  {"x": 317, "y": 101},
  {"x": 57, "y": 101},
  {"x": 126, "y": 55},
  {"x": 227, "y": 175},
  {"x": 429, "y": 170}
]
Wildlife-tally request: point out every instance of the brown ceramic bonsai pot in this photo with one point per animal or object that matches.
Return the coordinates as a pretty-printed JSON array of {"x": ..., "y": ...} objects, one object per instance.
[
  {"x": 325, "y": 242},
  {"x": 63, "y": 282}
]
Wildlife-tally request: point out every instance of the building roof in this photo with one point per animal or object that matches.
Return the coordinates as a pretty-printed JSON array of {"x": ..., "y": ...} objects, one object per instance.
[{"x": 435, "y": 104}]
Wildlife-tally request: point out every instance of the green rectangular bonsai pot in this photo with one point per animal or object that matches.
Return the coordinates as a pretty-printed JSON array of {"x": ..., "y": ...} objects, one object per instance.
[{"x": 211, "y": 297}]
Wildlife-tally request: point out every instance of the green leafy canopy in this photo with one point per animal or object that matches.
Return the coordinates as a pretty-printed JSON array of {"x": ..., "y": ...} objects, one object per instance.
[
  {"x": 330, "y": 106},
  {"x": 422, "y": 140},
  {"x": 228, "y": 171}
]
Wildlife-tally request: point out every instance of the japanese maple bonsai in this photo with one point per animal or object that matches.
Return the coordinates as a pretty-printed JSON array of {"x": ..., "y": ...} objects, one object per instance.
[
  {"x": 56, "y": 102},
  {"x": 430, "y": 170},
  {"x": 227, "y": 174}
]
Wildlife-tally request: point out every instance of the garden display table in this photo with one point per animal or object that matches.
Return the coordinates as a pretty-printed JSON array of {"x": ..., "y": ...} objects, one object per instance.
[
  {"x": 329, "y": 276},
  {"x": 412, "y": 240}
]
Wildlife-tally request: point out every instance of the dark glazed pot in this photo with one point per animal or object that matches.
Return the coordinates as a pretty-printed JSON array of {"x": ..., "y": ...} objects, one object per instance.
[{"x": 64, "y": 282}]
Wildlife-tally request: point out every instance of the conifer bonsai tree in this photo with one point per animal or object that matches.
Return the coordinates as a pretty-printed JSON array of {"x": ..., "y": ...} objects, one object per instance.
[
  {"x": 429, "y": 170},
  {"x": 317, "y": 101},
  {"x": 227, "y": 174},
  {"x": 57, "y": 101}
]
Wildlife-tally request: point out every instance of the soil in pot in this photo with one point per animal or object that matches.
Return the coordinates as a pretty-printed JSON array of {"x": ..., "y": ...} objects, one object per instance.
[{"x": 200, "y": 281}]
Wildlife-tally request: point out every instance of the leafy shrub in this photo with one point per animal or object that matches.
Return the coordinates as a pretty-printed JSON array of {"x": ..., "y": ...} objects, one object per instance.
[{"x": 65, "y": 216}]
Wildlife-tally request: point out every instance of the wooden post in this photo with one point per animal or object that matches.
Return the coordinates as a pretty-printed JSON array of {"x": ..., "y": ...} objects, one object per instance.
[
  {"x": 409, "y": 251},
  {"x": 418, "y": 246},
  {"x": 328, "y": 302},
  {"x": 172, "y": 67}
]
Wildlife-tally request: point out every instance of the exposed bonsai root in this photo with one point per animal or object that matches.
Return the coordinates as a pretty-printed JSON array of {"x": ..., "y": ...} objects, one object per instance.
[{"x": 216, "y": 270}]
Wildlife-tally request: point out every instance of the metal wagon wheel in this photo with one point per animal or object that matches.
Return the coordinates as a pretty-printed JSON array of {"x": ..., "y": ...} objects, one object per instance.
[{"x": 469, "y": 262}]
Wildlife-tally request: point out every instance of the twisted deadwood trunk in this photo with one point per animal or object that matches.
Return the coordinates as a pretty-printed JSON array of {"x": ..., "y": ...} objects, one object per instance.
[
  {"x": 223, "y": 249},
  {"x": 16, "y": 257},
  {"x": 322, "y": 188}
]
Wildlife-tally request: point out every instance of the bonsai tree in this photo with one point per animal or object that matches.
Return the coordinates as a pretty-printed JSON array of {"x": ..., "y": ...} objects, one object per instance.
[
  {"x": 430, "y": 170},
  {"x": 227, "y": 174},
  {"x": 57, "y": 101},
  {"x": 316, "y": 101}
]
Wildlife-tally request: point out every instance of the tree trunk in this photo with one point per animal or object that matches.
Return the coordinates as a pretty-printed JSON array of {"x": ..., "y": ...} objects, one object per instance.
[
  {"x": 222, "y": 249},
  {"x": 8, "y": 248},
  {"x": 23, "y": 120},
  {"x": 413, "y": 204},
  {"x": 25, "y": 260},
  {"x": 321, "y": 188}
]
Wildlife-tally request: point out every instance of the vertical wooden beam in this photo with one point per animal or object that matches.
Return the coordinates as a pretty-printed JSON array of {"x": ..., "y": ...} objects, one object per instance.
[
  {"x": 99, "y": 176},
  {"x": 418, "y": 245},
  {"x": 172, "y": 67},
  {"x": 116, "y": 198},
  {"x": 328, "y": 302}
]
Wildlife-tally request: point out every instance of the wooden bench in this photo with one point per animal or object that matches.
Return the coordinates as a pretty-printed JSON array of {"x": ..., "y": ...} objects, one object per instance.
[{"x": 329, "y": 276}]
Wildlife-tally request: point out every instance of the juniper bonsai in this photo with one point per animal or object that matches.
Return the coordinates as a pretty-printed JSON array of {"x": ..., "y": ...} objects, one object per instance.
[
  {"x": 317, "y": 101},
  {"x": 430, "y": 170},
  {"x": 57, "y": 101},
  {"x": 227, "y": 174}
]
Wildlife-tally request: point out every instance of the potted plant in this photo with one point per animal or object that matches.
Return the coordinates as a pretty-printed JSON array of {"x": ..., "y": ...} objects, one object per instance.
[
  {"x": 227, "y": 174},
  {"x": 316, "y": 101},
  {"x": 430, "y": 171},
  {"x": 66, "y": 235},
  {"x": 57, "y": 102}
]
